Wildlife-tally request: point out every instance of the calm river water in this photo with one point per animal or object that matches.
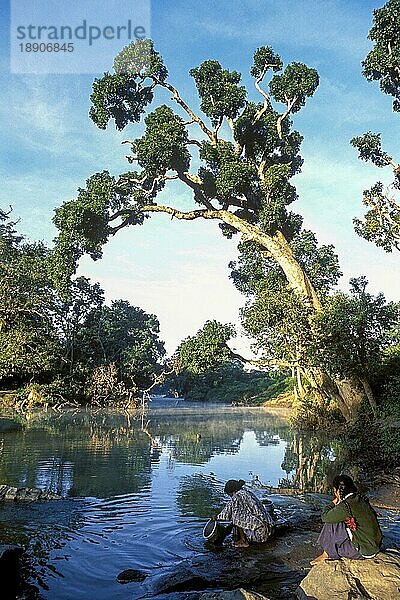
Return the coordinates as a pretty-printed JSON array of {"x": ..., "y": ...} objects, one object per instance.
[{"x": 136, "y": 499}]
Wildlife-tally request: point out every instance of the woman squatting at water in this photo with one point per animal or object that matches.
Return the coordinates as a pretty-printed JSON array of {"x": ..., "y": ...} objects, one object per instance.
[{"x": 250, "y": 520}]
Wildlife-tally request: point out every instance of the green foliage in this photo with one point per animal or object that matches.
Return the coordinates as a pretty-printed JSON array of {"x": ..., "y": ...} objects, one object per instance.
[
  {"x": 207, "y": 348},
  {"x": 139, "y": 59},
  {"x": 125, "y": 336},
  {"x": 273, "y": 315},
  {"x": 211, "y": 372},
  {"x": 311, "y": 415},
  {"x": 83, "y": 225},
  {"x": 381, "y": 223},
  {"x": 229, "y": 383},
  {"x": 256, "y": 136},
  {"x": 389, "y": 424},
  {"x": 227, "y": 175},
  {"x": 353, "y": 330},
  {"x": 319, "y": 262},
  {"x": 163, "y": 146},
  {"x": 118, "y": 97},
  {"x": 265, "y": 58},
  {"x": 297, "y": 83},
  {"x": 28, "y": 339},
  {"x": 277, "y": 321},
  {"x": 383, "y": 61},
  {"x": 369, "y": 147},
  {"x": 218, "y": 88},
  {"x": 122, "y": 96},
  {"x": 54, "y": 342}
]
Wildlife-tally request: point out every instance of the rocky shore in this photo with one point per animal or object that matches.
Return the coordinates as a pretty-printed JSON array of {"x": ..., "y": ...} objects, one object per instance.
[{"x": 274, "y": 571}]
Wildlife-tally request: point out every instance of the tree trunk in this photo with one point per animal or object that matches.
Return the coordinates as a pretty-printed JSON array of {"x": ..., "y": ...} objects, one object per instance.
[
  {"x": 347, "y": 393},
  {"x": 299, "y": 383},
  {"x": 370, "y": 395},
  {"x": 280, "y": 250}
]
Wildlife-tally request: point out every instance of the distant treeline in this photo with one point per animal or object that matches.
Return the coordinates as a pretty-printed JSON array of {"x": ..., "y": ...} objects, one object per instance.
[{"x": 67, "y": 346}]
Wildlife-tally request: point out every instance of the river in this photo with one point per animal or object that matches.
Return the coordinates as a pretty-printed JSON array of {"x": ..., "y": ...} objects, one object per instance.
[{"x": 137, "y": 494}]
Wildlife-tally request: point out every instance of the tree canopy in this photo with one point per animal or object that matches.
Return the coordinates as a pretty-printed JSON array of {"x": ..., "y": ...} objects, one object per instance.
[{"x": 381, "y": 223}]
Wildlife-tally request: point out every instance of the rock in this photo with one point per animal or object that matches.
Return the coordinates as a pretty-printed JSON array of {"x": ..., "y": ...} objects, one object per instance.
[
  {"x": 131, "y": 575},
  {"x": 239, "y": 594},
  {"x": 9, "y": 552},
  {"x": 386, "y": 496},
  {"x": 273, "y": 568},
  {"x": 7, "y": 425},
  {"x": 9, "y": 493},
  {"x": 10, "y": 570},
  {"x": 373, "y": 579}
]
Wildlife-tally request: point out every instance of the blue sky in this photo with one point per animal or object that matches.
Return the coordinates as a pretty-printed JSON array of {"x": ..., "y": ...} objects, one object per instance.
[{"x": 179, "y": 270}]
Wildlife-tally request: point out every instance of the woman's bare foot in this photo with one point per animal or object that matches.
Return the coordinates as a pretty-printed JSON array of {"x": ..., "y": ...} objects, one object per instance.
[
  {"x": 240, "y": 544},
  {"x": 323, "y": 556}
]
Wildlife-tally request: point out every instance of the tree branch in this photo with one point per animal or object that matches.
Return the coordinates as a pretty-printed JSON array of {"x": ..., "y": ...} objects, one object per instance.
[
  {"x": 267, "y": 99},
  {"x": 194, "y": 142},
  {"x": 276, "y": 244},
  {"x": 263, "y": 362},
  {"x": 259, "y": 80},
  {"x": 195, "y": 182},
  {"x": 290, "y": 105},
  {"x": 186, "y": 108}
]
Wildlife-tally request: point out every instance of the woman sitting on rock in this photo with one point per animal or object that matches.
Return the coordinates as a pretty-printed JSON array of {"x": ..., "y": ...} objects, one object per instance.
[
  {"x": 250, "y": 519},
  {"x": 351, "y": 529}
]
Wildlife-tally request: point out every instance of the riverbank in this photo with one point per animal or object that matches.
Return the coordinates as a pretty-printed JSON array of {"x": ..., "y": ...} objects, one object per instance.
[{"x": 275, "y": 569}]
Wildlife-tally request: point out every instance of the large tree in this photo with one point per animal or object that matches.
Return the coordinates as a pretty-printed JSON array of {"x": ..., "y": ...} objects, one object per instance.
[
  {"x": 248, "y": 154},
  {"x": 381, "y": 223}
]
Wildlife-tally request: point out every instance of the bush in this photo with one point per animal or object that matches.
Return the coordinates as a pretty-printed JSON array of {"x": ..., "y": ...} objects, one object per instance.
[
  {"x": 311, "y": 414},
  {"x": 389, "y": 424}
]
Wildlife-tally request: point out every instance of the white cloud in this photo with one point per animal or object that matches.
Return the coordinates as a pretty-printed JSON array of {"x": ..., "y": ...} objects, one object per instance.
[{"x": 290, "y": 22}]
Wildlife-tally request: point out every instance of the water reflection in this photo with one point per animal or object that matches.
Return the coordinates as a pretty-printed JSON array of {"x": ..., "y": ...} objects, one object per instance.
[
  {"x": 200, "y": 496},
  {"x": 138, "y": 498},
  {"x": 311, "y": 462}
]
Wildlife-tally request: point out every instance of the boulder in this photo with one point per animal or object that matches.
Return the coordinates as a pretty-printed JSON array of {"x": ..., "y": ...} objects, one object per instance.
[
  {"x": 372, "y": 579},
  {"x": 273, "y": 568},
  {"x": 7, "y": 425},
  {"x": 269, "y": 569}
]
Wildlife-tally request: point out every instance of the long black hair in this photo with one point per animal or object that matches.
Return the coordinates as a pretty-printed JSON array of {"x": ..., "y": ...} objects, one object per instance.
[{"x": 344, "y": 485}]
